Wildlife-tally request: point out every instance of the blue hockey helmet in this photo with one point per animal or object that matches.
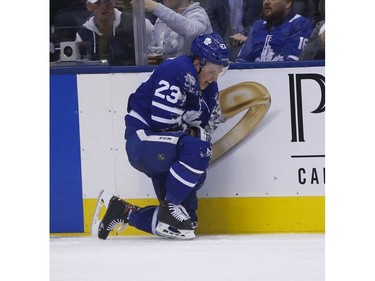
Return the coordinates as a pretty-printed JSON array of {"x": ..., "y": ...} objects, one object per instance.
[{"x": 210, "y": 47}]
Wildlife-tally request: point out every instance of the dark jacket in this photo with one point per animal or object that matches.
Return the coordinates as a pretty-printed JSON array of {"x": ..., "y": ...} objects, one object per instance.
[{"x": 118, "y": 49}]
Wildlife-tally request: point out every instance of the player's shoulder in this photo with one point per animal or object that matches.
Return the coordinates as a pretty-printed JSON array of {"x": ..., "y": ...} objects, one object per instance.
[
  {"x": 177, "y": 66},
  {"x": 180, "y": 61},
  {"x": 181, "y": 72}
]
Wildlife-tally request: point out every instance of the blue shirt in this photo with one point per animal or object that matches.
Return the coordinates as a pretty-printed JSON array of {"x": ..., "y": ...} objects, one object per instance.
[{"x": 282, "y": 42}]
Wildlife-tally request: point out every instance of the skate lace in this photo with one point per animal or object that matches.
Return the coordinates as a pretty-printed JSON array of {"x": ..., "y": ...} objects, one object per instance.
[
  {"x": 178, "y": 212},
  {"x": 113, "y": 223}
]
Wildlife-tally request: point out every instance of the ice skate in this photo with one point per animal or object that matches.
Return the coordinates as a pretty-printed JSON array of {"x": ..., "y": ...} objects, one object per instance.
[
  {"x": 101, "y": 204},
  {"x": 175, "y": 222},
  {"x": 117, "y": 213}
]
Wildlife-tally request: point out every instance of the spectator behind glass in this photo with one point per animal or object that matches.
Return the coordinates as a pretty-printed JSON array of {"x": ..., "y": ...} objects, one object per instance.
[
  {"x": 232, "y": 19},
  {"x": 281, "y": 36},
  {"x": 315, "y": 48},
  {"x": 308, "y": 9},
  {"x": 108, "y": 34},
  {"x": 178, "y": 23}
]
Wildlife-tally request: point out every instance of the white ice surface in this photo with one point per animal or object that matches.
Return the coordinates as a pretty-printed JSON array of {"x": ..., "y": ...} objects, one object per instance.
[{"x": 271, "y": 257}]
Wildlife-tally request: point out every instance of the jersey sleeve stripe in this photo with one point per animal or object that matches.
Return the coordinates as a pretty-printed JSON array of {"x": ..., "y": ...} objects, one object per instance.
[
  {"x": 166, "y": 121},
  {"x": 168, "y": 108}
]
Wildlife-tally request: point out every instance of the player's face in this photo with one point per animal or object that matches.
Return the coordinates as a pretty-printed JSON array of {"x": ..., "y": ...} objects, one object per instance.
[
  {"x": 209, "y": 73},
  {"x": 274, "y": 10}
]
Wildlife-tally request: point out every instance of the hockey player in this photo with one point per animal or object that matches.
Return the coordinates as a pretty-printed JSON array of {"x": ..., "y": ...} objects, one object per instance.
[{"x": 167, "y": 137}]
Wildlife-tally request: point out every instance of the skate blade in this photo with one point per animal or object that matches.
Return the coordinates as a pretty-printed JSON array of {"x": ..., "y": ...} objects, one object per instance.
[
  {"x": 102, "y": 202},
  {"x": 165, "y": 230}
]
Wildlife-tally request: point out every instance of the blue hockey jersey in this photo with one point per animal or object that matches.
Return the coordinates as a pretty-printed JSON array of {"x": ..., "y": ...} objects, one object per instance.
[
  {"x": 171, "y": 100},
  {"x": 282, "y": 42}
]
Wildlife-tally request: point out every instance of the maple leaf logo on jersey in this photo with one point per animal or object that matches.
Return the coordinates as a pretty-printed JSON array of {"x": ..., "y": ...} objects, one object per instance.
[
  {"x": 191, "y": 117},
  {"x": 268, "y": 53}
]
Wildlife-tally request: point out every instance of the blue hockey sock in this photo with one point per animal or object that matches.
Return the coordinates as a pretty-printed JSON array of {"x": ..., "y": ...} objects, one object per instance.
[{"x": 144, "y": 219}]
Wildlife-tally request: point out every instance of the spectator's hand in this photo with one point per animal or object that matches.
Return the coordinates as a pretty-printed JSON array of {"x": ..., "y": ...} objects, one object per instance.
[
  {"x": 237, "y": 39},
  {"x": 155, "y": 59},
  {"x": 150, "y": 5}
]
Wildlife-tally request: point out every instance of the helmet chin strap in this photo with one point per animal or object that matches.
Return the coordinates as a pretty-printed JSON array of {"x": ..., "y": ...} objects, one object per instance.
[{"x": 202, "y": 62}]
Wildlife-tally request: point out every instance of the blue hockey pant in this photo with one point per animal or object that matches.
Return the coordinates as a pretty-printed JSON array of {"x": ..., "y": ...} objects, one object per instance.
[{"x": 176, "y": 164}]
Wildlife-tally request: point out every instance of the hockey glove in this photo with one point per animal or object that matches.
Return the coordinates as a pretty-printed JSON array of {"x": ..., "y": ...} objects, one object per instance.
[{"x": 200, "y": 133}]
